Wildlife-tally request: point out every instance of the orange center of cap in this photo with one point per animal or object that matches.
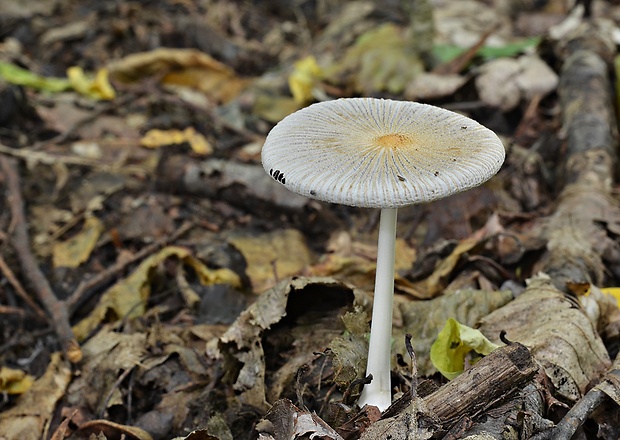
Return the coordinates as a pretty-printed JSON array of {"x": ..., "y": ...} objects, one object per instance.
[{"x": 393, "y": 140}]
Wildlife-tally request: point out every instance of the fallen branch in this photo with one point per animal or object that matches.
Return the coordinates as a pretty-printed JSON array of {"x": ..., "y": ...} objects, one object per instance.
[
  {"x": 582, "y": 410},
  {"x": 55, "y": 308},
  {"x": 494, "y": 378},
  {"x": 577, "y": 232}
]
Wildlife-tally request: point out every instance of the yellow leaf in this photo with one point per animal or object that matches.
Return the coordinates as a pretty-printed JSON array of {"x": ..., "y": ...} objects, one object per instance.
[
  {"x": 273, "y": 108},
  {"x": 380, "y": 60},
  {"x": 435, "y": 283},
  {"x": 30, "y": 417},
  {"x": 14, "y": 381},
  {"x": 158, "y": 138},
  {"x": 453, "y": 344},
  {"x": 272, "y": 256},
  {"x": 613, "y": 291},
  {"x": 306, "y": 74},
  {"x": 209, "y": 276},
  {"x": 98, "y": 87},
  {"x": 77, "y": 249},
  {"x": 181, "y": 67},
  {"x": 128, "y": 298}
]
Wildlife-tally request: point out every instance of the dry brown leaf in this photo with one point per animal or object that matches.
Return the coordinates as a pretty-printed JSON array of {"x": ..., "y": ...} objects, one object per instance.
[
  {"x": 427, "y": 86},
  {"x": 76, "y": 250},
  {"x": 504, "y": 82},
  {"x": 181, "y": 67},
  {"x": 425, "y": 319},
  {"x": 242, "y": 344},
  {"x": 380, "y": 60},
  {"x": 30, "y": 416},
  {"x": 128, "y": 297},
  {"x": 355, "y": 262},
  {"x": 285, "y": 421},
  {"x": 272, "y": 256},
  {"x": 216, "y": 429},
  {"x": 274, "y": 108},
  {"x": 350, "y": 351},
  {"x": 112, "y": 430},
  {"x": 437, "y": 281},
  {"x": 559, "y": 335},
  {"x": 105, "y": 355}
]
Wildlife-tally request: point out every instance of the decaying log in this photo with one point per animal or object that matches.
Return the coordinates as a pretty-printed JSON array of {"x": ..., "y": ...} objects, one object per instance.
[
  {"x": 493, "y": 379},
  {"x": 580, "y": 233},
  {"x": 576, "y": 234},
  {"x": 240, "y": 184}
]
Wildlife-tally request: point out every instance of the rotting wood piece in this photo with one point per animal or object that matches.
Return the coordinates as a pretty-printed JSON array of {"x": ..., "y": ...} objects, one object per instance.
[
  {"x": 494, "y": 378},
  {"x": 576, "y": 233},
  {"x": 244, "y": 185}
]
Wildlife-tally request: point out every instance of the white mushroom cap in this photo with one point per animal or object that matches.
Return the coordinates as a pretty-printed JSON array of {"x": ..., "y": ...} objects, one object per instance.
[{"x": 380, "y": 153}]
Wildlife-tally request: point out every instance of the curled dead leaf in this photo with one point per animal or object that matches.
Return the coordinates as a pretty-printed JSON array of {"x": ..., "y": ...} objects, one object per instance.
[
  {"x": 128, "y": 297},
  {"x": 29, "y": 417},
  {"x": 561, "y": 337},
  {"x": 181, "y": 67}
]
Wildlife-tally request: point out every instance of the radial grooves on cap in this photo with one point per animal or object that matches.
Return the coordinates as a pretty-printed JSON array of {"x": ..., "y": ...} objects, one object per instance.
[{"x": 332, "y": 151}]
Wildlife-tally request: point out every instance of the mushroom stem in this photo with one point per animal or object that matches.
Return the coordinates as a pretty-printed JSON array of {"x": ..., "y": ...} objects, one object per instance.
[{"x": 379, "y": 392}]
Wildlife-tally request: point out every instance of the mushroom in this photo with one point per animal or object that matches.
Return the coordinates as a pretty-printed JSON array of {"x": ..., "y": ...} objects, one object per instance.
[{"x": 380, "y": 153}]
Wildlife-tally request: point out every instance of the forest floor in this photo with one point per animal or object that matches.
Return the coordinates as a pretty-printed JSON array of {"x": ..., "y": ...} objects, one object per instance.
[{"x": 157, "y": 283}]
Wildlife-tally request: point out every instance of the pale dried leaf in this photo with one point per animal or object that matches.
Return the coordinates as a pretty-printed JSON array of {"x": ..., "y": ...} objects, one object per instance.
[
  {"x": 559, "y": 335},
  {"x": 285, "y": 421},
  {"x": 29, "y": 417}
]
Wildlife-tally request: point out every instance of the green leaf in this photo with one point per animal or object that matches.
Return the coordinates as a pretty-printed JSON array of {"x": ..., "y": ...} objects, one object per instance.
[
  {"x": 22, "y": 77},
  {"x": 453, "y": 344},
  {"x": 446, "y": 52},
  {"x": 509, "y": 50}
]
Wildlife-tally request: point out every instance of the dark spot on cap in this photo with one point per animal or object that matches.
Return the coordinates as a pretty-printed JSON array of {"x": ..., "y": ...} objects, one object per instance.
[
  {"x": 401, "y": 178},
  {"x": 463, "y": 127},
  {"x": 436, "y": 173},
  {"x": 278, "y": 175},
  {"x": 312, "y": 192}
]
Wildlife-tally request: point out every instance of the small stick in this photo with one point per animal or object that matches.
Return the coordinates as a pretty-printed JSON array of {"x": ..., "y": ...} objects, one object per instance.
[
  {"x": 56, "y": 309},
  {"x": 8, "y": 310},
  {"x": 12, "y": 279},
  {"x": 78, "y": 294},
  {"x": 48, "y": 158},
  {"x": 494, "y": 377},
  {"x": 414, "y": 367},
  {"x": 590, "y": 402},
  {"x": 577, "y": 415}
]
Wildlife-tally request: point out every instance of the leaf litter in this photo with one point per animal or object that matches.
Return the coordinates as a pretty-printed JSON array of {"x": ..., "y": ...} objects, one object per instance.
[{"x": 211, "y": 303}]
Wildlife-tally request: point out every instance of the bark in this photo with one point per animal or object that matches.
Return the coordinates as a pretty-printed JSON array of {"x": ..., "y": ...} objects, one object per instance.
[
  {"x": 580, "y": 234},
  {"x": 494, "y": 378},
  {"x": 577, "y": 233}
]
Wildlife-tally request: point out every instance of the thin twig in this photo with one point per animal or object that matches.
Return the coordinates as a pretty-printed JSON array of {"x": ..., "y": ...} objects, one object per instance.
[
  {"x": 114, "y": 387},
  {"x": 577, "y": 415},
  {"x": 48, "y": 158},
  {"x": 12, "y": 279},
  {"x": 91, "y": 117},
  {"x": 56, "y": 309},
  {"x": 8, "y": 310},
  {"x": 79, "y": 293}
]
